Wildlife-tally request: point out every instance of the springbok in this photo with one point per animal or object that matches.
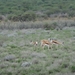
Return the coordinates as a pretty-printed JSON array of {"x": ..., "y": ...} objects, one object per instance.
[
  {"x": 34, "y": 43},
  {"x": 57, "y": 43},
  {"x": 47, "y": 43},
  {"x": 54, "y": 41}
]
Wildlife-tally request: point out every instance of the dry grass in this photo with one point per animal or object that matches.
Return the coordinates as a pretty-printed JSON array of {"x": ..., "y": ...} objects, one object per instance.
[{"x": 56, "y": 23}]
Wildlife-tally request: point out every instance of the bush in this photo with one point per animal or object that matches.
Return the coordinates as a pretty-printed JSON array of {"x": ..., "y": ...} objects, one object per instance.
[
  {"x": 28, "y": 16},
  {"x": 73, "y": 68},
  {"x": 13, "y": 17},
  {"x": 50, "y": 26},
  {"x": 71, "y": 13}
]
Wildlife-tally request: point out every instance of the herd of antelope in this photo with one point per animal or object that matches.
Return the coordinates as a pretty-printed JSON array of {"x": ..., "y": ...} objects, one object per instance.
[{"x": 47, "y": 42}]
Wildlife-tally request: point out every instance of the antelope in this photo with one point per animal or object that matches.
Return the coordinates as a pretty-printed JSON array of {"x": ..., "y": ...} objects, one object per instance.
[
  {"x": 34, "y": 43},
  {"x": 55, "y": 42},
  {"x": 47, "y": 43}
]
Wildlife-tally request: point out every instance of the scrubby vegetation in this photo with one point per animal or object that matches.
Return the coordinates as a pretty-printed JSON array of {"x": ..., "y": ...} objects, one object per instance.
[
  {"x": 22, "y": 21},
  {"x": 18, "y": 57},
  {"x": 27, "y": 10},
  {"x": 57, "y": 24}
]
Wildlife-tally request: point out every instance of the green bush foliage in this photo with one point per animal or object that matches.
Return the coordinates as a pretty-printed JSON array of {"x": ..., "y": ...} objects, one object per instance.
[
  {"x": 50, "y": 26},
  {"x": 26, "y": 9}
]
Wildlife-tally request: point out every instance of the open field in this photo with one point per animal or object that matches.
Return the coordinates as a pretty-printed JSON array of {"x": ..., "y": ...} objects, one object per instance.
[{"x": 18, "y": 57}]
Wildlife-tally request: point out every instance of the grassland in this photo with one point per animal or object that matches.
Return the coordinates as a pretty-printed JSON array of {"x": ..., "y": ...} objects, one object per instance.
[{"x": 18, "y": 57}]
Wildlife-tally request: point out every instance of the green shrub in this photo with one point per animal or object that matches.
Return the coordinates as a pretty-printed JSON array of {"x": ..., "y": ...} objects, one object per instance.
[
  {"x": 50, "y": 26},
  {"x": 13, "y": 17},
  {"x": 73, "y": 68},
  {"x": 28, "y": 16}
]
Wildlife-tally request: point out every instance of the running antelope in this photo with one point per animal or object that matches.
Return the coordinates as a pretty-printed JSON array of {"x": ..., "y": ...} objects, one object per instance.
[
  {"x": 57, "y": 43},
  {"x": 47, "y": 43}
]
